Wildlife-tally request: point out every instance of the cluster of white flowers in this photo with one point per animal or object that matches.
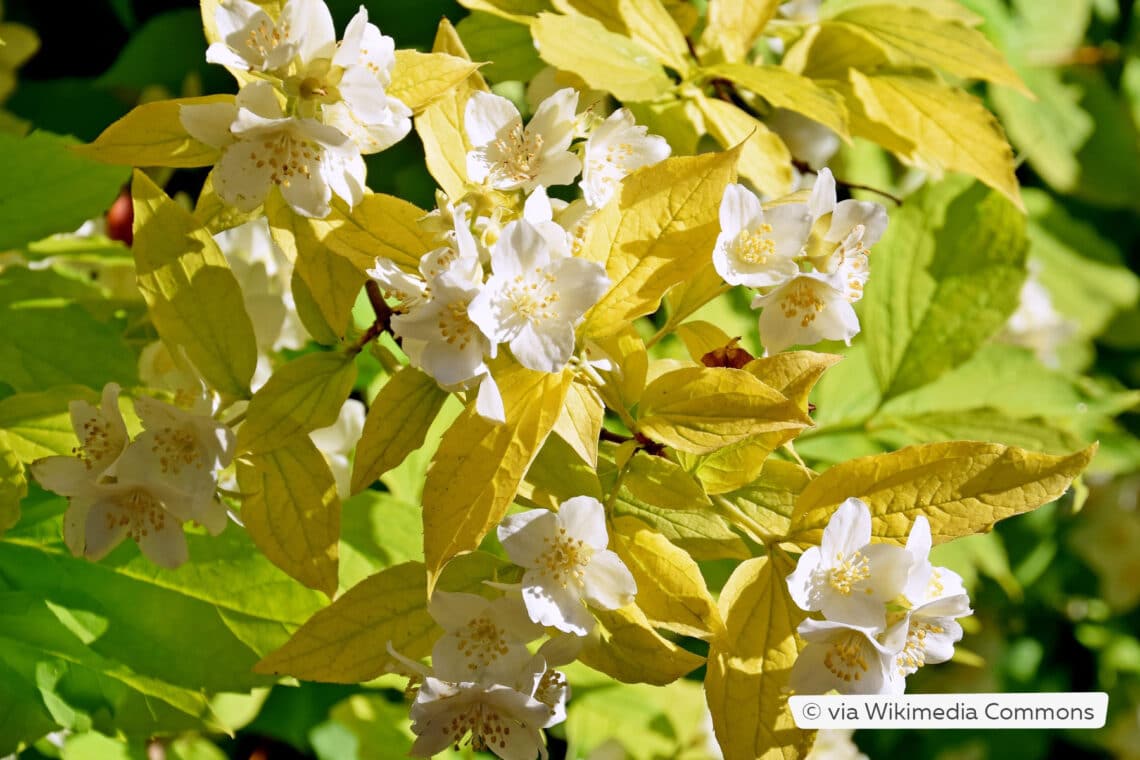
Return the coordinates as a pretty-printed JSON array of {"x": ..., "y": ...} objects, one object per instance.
[
  {"x": 484, "y": 680},
  {"x": 809, "y": 261},
  {"x": 308, "y": 110},
  {"x": 144, "y": 488},
  {"x": 887, "y": 610},
  {"x": 513, "y": 282}
]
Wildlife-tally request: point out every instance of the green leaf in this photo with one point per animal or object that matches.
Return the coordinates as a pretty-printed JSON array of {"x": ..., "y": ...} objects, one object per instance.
[
  {"x": 606, "y": 61},
  {"x": 291, "y": 510},
  {"x": 39, "y": 424},
  {"x": 507, "y": 45},
  {"x": 302, "y": 396},
  {"x": 123, "y": 644},
  {"x": 13, "y": 484},
  {"x": 648, "y": 722},
  {"x": 767, "y": 503},
  {"x": 764, "y": 158},
  {"x": 627, "y": 649},
  {"x": 378, "y": 530},
  {"x": 396, "y": 425},
  {"x": 48, "y": 188},
  {"x": 947, "y": 276},
  {"x": 167, "y": 49},
  {"x": 193, "y": 297}
]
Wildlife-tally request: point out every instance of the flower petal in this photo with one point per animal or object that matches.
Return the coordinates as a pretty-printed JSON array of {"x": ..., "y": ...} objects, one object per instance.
[
  {"x": 584, "y": 519},
  {"x": 607, "y": 582},
  {"x": 523, "y": 535}
]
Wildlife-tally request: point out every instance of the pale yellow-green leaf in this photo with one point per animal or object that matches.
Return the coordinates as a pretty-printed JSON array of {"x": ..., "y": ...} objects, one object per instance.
[
  {"x": 659, "y": 231},
  {"x": 827, "y": 51},
  {"x": 581, "y": 421},
  {"x": 479, "y": 465},
  {"x": 670, "y": 588},
  {"x": 152, "y": 135},
  {"x": 910, "y": 36},
  {"x": 655, "y": 480},
  {"x": 604, "y": 11},
  {"x": 734, "y": 25},
  {"x": 347, "y": 641},
  {"x": 764, "y": 159},
  {"x": 193, "y": 298},
  {"x": 333, "y": 281},
  {"x": 949, "y": 9},
  {"x": 764, "y": 506},
  {"x": 604, "y": 60},
  {"x": 397, "y": 422},
  {"x": 519, "y": 11},
  {"x": 303, "y": 395},
  {"x": 747, "y": 680},
  {"x": 686, "y": 298},
  {"x": 39, "y": 424},
  {"x": 950, "y": 128},
  {"x": 625, "y": 647},
  {"x": 702, "y": 409},
  {"x": 557, "y": 474},
  {"x": 418, "y": 79},
  {"x": 311, "y": 316},
  {"x": 216, "y": 215},
  {"x": 650, "y": 24},
  {"x": 13, "y": 484},
  {"x": 962, "y": 487},
  {"x": 440, "y": 125},
  {"x": 793, "y": 373},
  {"x": 292, "y": 512},
  {"x": 738, "y": 463},
  {"x": 627, "y": 353},
  {"x": 673, "y": 120},
  {"x": 786, "y": 89},
  {"x": 701, "y": 337}
]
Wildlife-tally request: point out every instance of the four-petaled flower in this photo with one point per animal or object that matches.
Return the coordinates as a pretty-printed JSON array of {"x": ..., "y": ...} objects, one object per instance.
[
  {"x": 508, "y": 156},
  {"x": 567, "y": 563}
]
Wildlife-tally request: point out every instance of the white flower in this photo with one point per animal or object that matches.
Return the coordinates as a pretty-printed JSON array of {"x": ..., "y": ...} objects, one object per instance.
[
  {"x": 508, "y": 156},
  {"x": 1036, "y": 324},
  {"x": 614, "y": 149},
  {"x": 534, "y": 297},
  {"x": 499, "y": 718},
  {"x": 835, "y": 744},
  {"x": 847, "y": 577},
  {"x": 844, "y": 657},
  {"x": 440, "y": 337},
  {"x": 566, "y": 563},
  {"x": 185, "y": 448},
  {"x": 925, "y": 582},
  {"x": 408, "y": 290},
  {"x": 484, "y": 640},
  {"x": 852, "y": 226},
  {"x": 252, "y": 41},
  {"x": 265, "y": 275},
  {"x": 755, "y": 247},
  {"x": 101, "y": 432},
  {"x": 813, "y": 306},
  {"x": 337, "y": 442},
  {"x": 929, "y": 632},
  {"x": 262, "y": 147}
]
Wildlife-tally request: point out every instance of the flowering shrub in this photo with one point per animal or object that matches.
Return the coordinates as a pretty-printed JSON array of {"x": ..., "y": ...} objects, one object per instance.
[{"x": 579, "y": 431}]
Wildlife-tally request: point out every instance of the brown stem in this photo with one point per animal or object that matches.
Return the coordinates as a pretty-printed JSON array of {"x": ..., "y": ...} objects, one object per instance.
[
  {"x": 612, "y": 437},
  {"x": 804, "y": 168},
  {"x": 383, "y": 321}
]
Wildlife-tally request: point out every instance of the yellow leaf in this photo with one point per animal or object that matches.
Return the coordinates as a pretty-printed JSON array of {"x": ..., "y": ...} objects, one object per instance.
[
  {"x": 193, "y": 298},
  {"x": 397, "y": 422},
  {"x": 786, "y": 89},
  {"x": 310, "y": 314},
  {"x": 606, "y": 61},
  {"x": 304, "y": 395},
  {"x": 625, "y": 383},
  {"x": 701, "y": 337},
  {"x": 764, "y": 506},
  {"x": 660, "y": 230},
  {"x": 685, "y": 298},
  {"x": 734, "y": 25},
  {"x": 793, "y": 373},
  {"x": 332, "y": 281},
  {"x": 737, "y": 464},
  {"x": 519, "y": 11},
  {"x": 347, "y": 641},
  {"x": 13, "y": 485},
  {"x": 655, "y": 480},
  {"x": 216, "y": 215},
  {"x": 625, "y": 647},
  {"x": 962, "y": 487},
  {"x": 418, "y": 79},
  {"x": 291, "y": 510},
  {"x": 580, "y": 423},
  {"x": 152, "y": 135},
  {"x": 950, "y": 128},
  {"x": 670, "y": 588},
  {"x": 764, "y": 159},
  {"x": 650, "y": 24},
  {"x": 440, "y": 126},
  {"x": 479, "y": 465},
  {"x": 747, "y": 680},
  {"x": 827, "y": 51},
  {"x": 910, "y": 36},
  {"x": 702, "y": 409}
]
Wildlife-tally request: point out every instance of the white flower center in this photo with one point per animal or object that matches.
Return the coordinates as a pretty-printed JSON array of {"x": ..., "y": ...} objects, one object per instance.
[
  {"x": 528, "y": 301},
  {"x": 550, "y": 689},
  {"x": 521, "y": 155},
  {"x": 287, "y": 156},
  {"x": 176, "y": 448},
  {"x": 139, "y": 511},
  {"x": 455, "y": 326},
  {"x": 488, "y": 728},
  {"x": 800, "y": 300},
  {"x": 754, "y": 246},
  {"x": 849, "y": 572},
  {"x": 565, "y": 558},
  {"x": 846, "y": 656},
  {"x": 481, "y": 642}
]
